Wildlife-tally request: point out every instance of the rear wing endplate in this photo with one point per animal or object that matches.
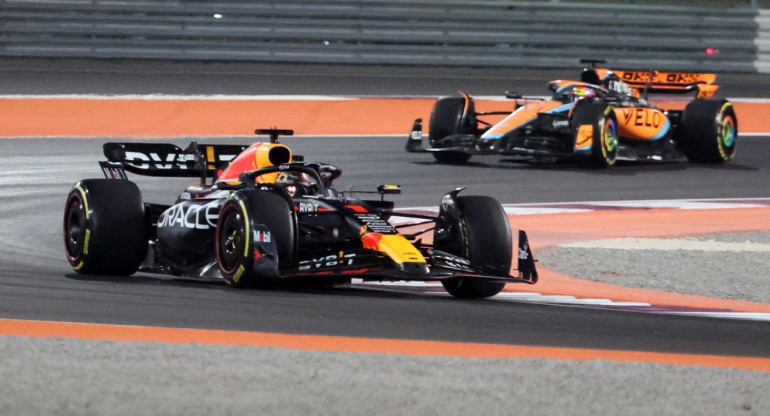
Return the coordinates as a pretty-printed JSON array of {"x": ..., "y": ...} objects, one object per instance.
[{"x": 526, "y": 262}]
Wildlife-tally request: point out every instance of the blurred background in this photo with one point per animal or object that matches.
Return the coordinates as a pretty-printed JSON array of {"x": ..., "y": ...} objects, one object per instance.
[{"x": 707, "y": 35}]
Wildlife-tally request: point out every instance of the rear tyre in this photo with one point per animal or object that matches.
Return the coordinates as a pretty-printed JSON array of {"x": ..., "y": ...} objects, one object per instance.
[
  {"x": 708, "y": 131},
  {"x": 448, "y": 117},
  {"x": 105, "y": 228},
  {"x": 604, "y": 136},
  {"x": 235, "y": 246},
  {"x": 485, "y": 240}
]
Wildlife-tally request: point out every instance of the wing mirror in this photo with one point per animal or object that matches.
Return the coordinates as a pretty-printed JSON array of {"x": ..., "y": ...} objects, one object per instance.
[{"x": 389, "y": 189}]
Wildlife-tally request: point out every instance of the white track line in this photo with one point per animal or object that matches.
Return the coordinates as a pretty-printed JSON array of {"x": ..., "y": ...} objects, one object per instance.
[
  {"x": 670, "y": 244},
  {"x": 588, "y": 206},
  {"x": 749, "y": 316}
]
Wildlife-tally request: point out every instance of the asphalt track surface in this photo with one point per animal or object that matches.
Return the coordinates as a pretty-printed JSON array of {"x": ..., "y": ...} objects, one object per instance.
[{"x": 38, "y": 284}]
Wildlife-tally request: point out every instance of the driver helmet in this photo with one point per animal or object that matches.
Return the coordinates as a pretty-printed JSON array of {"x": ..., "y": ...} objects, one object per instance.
[
  {"x": 295, "y": 183},
  {"x": 582, "y": 91}
]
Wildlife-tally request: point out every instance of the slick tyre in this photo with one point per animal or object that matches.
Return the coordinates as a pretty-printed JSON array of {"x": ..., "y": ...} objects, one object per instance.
[
  {"x": 451, "y": 115},
  {"x": 708, "y": 131},
  {"x": 105, "y": 228},
  {"x": 486, "y": 242},
  {"x": 236, "y": 249},
  {"x": 603, "y": 132}
]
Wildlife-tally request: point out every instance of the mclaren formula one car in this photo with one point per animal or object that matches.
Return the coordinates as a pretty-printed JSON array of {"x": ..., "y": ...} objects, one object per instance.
[
  {"x": 604, "y": 117},
  {"x": 261, "y": 214}
]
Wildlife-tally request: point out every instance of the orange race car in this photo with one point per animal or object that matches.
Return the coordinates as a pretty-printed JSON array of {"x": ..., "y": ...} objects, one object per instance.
[{"x": 598, "y": 120}]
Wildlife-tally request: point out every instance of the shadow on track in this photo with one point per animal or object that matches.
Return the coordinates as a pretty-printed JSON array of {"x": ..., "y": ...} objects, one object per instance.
[
  {"x": 622, "y": 168},
  {"x": 287, "y": 286}
]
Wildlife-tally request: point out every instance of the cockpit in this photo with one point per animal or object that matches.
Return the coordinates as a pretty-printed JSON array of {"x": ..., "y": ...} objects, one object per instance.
[
  {"x": 611, "y": 87},
  {"x": 297, "y": 179},
  {"x": 296, "y": 183}
]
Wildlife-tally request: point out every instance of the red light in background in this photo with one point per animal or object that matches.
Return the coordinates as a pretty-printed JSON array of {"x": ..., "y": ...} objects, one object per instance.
[{"x": 711, "y": 51}]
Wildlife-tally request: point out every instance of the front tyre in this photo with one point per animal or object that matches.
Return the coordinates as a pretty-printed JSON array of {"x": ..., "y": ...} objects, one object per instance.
[
  {"x": 598, "y": 122},
  {"x": 254, "y": 224},
  {"x": 485, "y": 240},
  {"x": 105, "y": 228},
  {"x": 708, "y": 131},
  {"x": 450, "y": 116}
]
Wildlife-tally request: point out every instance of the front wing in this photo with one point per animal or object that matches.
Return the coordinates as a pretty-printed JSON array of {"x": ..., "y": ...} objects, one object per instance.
[
  {"x": 368, "y": 265},
  {"x": 541, "y": 146}
]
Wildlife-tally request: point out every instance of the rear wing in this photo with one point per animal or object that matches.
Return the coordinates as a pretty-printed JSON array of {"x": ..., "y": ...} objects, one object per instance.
[
  {"x": 168, "y": 160},
  {"x": 702, "y": 84}
]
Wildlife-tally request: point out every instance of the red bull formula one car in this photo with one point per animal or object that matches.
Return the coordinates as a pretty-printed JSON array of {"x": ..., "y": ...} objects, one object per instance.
[
  {"x": 598, "y": 120},
  {"x": 261, "y": 214}
]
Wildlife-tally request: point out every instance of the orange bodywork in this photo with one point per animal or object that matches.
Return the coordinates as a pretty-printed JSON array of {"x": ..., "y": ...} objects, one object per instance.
[
  {"x": 523, "y": 114},
  {"x": 585, "y": 137},
  {"x": 641, "y": 123},
  {"x": 635, "y": 123}
]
